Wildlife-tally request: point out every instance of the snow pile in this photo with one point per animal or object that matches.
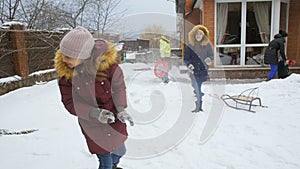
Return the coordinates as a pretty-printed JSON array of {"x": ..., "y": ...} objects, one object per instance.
[{"x": 166, "y": 134}]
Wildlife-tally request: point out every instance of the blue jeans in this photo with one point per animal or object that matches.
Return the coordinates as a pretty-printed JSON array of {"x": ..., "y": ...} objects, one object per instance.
[
  {"x": 199, "y": 93},
  {"x": 109, "y": 159},
  {"x": 273, "y": 71},
  {"x": 197, "y": 85}
]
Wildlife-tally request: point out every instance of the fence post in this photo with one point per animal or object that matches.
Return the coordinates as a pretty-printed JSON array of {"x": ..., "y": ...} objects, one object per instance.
[{"x": 20, "y": 53}]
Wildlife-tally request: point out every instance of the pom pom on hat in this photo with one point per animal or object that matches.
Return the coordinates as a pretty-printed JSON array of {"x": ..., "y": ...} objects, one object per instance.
[{"x": 78, "y": 43}]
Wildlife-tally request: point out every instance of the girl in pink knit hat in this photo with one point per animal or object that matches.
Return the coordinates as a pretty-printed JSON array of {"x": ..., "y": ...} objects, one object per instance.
[{"x": 92, "y": 88}]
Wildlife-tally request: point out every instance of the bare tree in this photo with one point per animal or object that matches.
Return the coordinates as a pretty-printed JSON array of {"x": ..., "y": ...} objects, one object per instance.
[
  {"x": 97, "y": 15},
  {"x": 31, "y": 11},
  {"x": 108, "y": 9},
  {"x": 50, "y": 18},
  {"x": 8, "y": 10},
  {"x": 74, "y": 13},
  {"x": 2, "y": 11},
  {"x": 105, "y": 14},
  {"x": 13, "y": 6}
]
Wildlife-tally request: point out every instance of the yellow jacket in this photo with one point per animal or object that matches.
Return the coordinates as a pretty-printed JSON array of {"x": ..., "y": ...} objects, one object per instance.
[{"x": 164, "y": 47}]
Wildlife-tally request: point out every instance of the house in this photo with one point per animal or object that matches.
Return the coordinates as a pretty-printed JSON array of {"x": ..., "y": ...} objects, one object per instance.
[
  {"x": 135, "y": 44},
  {"x": 240, "y": 30}
]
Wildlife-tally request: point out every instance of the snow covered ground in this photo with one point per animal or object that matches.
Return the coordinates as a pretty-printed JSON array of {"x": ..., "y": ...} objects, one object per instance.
[{"x": 166, "y": 134}]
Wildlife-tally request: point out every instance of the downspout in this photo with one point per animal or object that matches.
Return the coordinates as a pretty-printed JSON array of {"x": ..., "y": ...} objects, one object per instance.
[{"x": 184, "y": 32}]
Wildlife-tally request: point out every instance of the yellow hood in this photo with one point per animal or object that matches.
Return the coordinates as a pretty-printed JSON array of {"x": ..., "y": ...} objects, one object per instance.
[{"x": 192, "y": 34}]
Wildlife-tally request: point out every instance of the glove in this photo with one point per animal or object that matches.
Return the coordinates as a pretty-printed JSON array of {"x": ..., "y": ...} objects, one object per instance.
[
  {"x": 123, "y": 116},
  {"x": 103, "y": 116},
  {"x": 286, "y": 62},
  {"x": 207, "y": 61},
  {"x": 191, "y": 68}
]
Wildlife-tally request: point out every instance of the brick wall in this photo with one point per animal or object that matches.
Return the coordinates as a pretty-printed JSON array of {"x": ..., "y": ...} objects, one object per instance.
[
  {"x": 20, "y": 53},
  {"x": 293, "y": 44},
  {"x": 26, "y": 51},
  {"x": 191, "y": 20},
  {"x": 209, "y": 17},
  {"x": 240, "y": 73}
]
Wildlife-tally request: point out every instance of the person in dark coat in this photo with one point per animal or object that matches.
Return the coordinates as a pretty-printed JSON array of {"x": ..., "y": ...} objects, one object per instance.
[
  {"x": 92, "y": 88},
  {"x": 198, "y": 55},
  {"x": 271, "y": 54}
]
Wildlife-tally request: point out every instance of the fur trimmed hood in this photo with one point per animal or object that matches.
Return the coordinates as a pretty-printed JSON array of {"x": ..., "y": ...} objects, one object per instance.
[
  {"x": 104, "y": 52},
  {"x": 192, "y": 34}
]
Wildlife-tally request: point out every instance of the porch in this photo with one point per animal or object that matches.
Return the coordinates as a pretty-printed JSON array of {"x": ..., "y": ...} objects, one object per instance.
[{"x": 240, "y": 73}]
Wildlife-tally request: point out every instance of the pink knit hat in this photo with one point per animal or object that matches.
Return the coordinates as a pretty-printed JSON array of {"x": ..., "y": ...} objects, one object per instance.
[{"x": 78, "y": 43}]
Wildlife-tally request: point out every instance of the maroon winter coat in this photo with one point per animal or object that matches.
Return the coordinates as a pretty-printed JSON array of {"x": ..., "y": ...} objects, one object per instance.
[{"x": 80, "y": 94}]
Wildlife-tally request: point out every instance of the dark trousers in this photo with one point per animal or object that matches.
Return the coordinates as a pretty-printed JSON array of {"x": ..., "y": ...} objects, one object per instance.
[{"x": 165, "y": 78}]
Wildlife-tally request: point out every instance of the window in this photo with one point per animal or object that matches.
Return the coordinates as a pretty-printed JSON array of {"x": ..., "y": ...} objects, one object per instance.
[
  {"x": 229, "y": 33},
  {"x": 242, "y": 32}
]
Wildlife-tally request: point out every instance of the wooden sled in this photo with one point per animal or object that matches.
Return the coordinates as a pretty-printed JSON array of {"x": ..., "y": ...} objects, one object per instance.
[{"x": 248, "y": 98}]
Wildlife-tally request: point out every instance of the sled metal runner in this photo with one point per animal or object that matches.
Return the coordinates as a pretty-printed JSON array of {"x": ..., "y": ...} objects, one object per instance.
[{"x": 247, "y": 98}]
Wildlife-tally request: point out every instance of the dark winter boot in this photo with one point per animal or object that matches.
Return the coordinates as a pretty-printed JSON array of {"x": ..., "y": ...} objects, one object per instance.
[
  {"x": 196, "y": 93},
  {"x": 165, "y": 78},
  {"x": 198, "y": 107},
  {"x": 115, "y": 167}
]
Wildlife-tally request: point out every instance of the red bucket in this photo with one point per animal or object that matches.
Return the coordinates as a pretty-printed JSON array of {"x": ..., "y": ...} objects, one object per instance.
[{"x": 292, "y": 63}]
